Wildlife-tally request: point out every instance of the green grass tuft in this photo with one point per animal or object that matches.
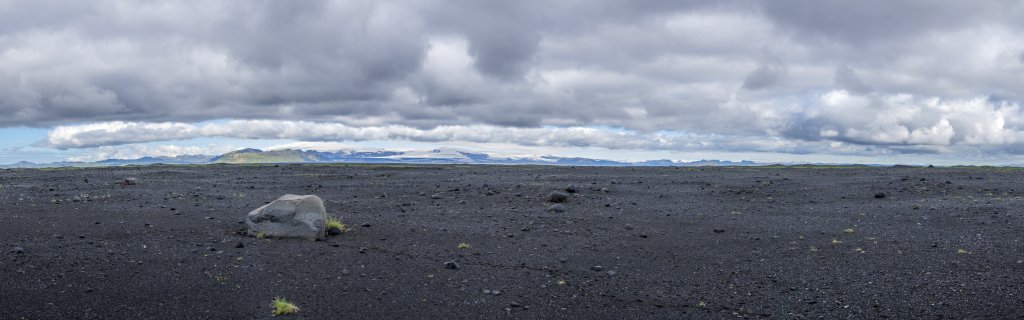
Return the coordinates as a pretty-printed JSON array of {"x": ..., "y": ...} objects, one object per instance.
[
  {"x": 463, "y": 245},
  {"x": 282, "y": 307},
  {"x": 335, "y": 223}
]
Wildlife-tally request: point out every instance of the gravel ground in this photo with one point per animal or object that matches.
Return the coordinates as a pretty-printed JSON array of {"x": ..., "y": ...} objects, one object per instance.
[{"x": 631, "y": 243}]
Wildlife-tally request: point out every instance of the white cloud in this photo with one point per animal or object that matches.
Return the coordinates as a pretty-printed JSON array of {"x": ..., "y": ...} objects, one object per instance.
[{"x": 135, "y": 151}]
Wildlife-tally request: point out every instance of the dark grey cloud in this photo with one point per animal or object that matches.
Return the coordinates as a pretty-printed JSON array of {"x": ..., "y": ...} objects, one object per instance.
[
  {"x": 768, "y": 74},
  {"x": 872, "y": 21},
  {"x": 650, "y": 66},
  {"x": 848, "y": 79}
]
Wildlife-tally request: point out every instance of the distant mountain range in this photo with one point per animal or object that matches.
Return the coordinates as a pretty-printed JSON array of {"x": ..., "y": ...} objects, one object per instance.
[{"x": 435, "y": 156}]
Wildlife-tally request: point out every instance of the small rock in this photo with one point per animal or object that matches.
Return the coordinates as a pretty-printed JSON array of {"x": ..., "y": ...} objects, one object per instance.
[
  {"x": 487, "y": 291},
  {"x": 130, "y": 181},
  {"x": 435, "y": 196},
  {"x": 879, "y": 195},
  {"x": 557, "y": 197},
  {"x": 571, "y": 189},
  {"x": 76, "y": 199},
  {"x": 628, "y": 227},
  {"x": 495, "y": 292},
  {"x": 719, "y": 230},
  {"x": 597, "y": 268},
  {"x": 240, "y": 245},
  {"x": 345, "y": 271},
  {"x": 363, "y": 250},
  {"x": 18, "y": 250},
  {"x": 452, "y": 265},
  {"x": 366, "y": 225},
  {"x": 563, "y": 260},
  {"x": 611, "y": 273},
  {"x": 333, "y": 231},
  {"x": 514, "y": 304},
  {"x": 556, "y": 208}
]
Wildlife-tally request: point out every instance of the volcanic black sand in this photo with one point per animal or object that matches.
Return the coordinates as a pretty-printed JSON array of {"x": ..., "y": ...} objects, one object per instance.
[{"x": 633, "y": 243}]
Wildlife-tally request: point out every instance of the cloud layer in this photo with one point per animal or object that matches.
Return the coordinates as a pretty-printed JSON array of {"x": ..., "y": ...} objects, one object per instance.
[{"x": 907, "y": 76}]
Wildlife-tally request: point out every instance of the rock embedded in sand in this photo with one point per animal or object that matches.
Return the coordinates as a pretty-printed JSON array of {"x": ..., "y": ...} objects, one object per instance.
[
  {"x": 879, "y": 195},
  {"x": 556, "y": 208},
  {"x": 130, "y": 181},
  {"x": 290, "y": 216},
  {"x": 557, "y": 197}
]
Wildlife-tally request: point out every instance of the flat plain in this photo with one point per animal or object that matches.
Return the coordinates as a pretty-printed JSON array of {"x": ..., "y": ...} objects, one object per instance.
[{"x": 632, "y": 243}]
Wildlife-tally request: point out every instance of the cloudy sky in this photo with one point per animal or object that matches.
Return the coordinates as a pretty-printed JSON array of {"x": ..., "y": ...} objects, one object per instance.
[{"x": 915, "y": 81}]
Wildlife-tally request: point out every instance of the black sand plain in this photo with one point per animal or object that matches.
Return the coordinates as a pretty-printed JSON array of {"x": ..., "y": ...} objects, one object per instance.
[{"x": 633, "y": 243}]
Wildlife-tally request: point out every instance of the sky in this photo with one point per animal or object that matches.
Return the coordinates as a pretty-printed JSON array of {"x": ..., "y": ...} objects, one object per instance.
[{"x": 873, "y": 81}]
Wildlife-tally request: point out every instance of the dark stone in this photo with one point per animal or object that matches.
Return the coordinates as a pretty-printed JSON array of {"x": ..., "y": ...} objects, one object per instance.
[
  {"x": 240, "y": 245},
  {"x": 597, "y": 268},
  {"x": 558, "y": 197},
  {"x": 452, "y": 265},
  {"x": 879, "y": 195},
  {"x": 333, "y": 231},
  {"x": 571, "y": 189},
  {"x": 719, "y": 230}
]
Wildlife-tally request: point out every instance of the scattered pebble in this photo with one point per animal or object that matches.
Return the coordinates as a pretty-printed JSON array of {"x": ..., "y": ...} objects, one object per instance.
[
  {"x": 879, "y": 195},
  {"x": 452, "y": 265},
  {"x": 557, "y": 197},
  {"x": 556, "y": 208}
]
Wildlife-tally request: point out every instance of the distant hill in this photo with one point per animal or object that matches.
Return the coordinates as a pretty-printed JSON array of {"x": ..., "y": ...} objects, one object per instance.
[{"x": 435, "y": 156}]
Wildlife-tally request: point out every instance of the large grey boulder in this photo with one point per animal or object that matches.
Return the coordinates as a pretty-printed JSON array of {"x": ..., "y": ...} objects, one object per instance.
[{"x": 290, "y": 216}]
